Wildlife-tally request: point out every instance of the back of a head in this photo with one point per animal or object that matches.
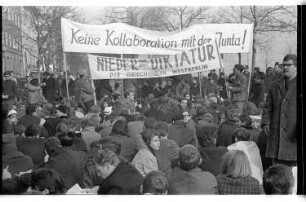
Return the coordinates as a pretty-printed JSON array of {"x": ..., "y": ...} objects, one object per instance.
[
  {"x": 235, "y": 163},
  {"x": 95, "y": 109},
  {"x": 156, "y": 183},
  {"x": 189, "y": 157},
  {"x": 242, "y": 134},
  {"x": 120, "y": 127},
  {"x": 31, "y": 108},
  {"x": 52, "y": 145},
  {"x": 162, "y": 128},
  {"x": 32, "y": 130},
  {"x": 149, "y": 122},
  {"x": 207, "y": 134},
  {"x": 50, "y": 179},
  {"x": 106, "y": 156},
  {"x": 278, "y": 179},
  {"x": 246, "y": 119},
  {"x": 202, "y": 110},
  {"x": 110, "y": 144},
  {"x": 231, "y": 112}
]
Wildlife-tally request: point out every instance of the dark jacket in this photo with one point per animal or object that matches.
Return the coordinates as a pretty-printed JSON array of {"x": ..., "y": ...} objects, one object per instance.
[
  {"x": 226, "y": 130},
  {"x": 71, "y": 87},
  {"x": 193, "y": 181},
  {"x": 9, "y": 88},
  {"x": 124, "y": 180},
  {"x": 212, "y": 158},
  {"x": 70, "y": 164},
  {"x": 28, "y": 120},
  {"x": 91, "y": 178},
  {"x": 248, "y": 185},
  {"x": 280, "y": 113},
  {"x": 166, "y": 155},
  {"x": 181, "y": 134},
  {"x": 157, "y": 114},
  {"x": 51, "y": 89},
  {"x": 33, "y": 147},
  {"x": 17, "y": 162}
]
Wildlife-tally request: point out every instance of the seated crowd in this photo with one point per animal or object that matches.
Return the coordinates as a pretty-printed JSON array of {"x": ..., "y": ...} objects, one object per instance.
[{"x": 169, "y": 146}]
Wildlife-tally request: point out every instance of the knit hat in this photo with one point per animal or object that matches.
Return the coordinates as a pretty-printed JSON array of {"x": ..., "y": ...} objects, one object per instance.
[
  {"x": 8, "y": 143},
  {"x": 11, "y": 112}
]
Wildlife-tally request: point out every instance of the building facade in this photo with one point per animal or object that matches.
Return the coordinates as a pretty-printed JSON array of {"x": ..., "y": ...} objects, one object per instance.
[{"x": 12, "y": 58}]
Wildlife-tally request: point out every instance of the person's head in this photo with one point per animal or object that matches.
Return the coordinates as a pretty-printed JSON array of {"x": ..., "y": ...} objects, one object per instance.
[
  {"x": 117, "y": 85},
  {"x": 151, "y": 138},
  {"x": 232, "y": 113},
  {"x": 6, "y": 76},
  {"x": 290, "y": 66},
  {"x": 149, "y": 123},
  {"x": 87, "y": 123},
  {"x": 278, "y": 179},
  {"x": 65, "y": 140},
  {"x": 96, "y": 109},
  {"x": 31, "y": 109},
  {"x": 12, "y": 117},
  {"x": 46, "y": 74},
  {"x": 202, "y": 110},
  {"x": 189, "y": 157},
  {"x": 120, "y": 127},
  {"x": 62, "y": 128},
  {"x": 161, "y": 127},
  {"x": 278, "y": 67},
  {"x": 155, "y": 182},
  {"x": 245, "y": 119},
  {"x": 221, "y": 74},
  {"x": 106, "y": 162},
  {"x": 269, "y": 71},
  {"x": 32, "y": 131},
  {"x": 235, "y": 163},
  {"x": 47, "y": 181},
  {"x": 256, "y": 70},
  {"x": 183, "y": 103},
  {"x": 110, "y": 144},
  {"x": 154, "y": 104},
  {"x": 187, "y": 115},
  {"x": 169, "y": 82},
  {"x": 129, "y": 95},
  {"x": 241, "y": 134},
  {"x": 238, "y": 68},
  {"x": 207, "y": 134},
  {"x": 82, "y": 73},
  {"x": 61, "y": 110},
  {"x": 52, "y": 145}
]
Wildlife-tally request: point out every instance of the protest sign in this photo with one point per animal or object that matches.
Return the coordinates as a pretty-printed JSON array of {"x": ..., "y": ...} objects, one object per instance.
[
  {"x": 190, "y": 61},
  {"x": 119, "y": 38}
]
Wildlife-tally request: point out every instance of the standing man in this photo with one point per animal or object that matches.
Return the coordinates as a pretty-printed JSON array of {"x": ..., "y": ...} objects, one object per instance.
[
  {"x": 239, "y": 87},
  {"x": 8, "y": 92},
  {"x": 50, "y": 86},
  {"x": 279, "y": 115}
]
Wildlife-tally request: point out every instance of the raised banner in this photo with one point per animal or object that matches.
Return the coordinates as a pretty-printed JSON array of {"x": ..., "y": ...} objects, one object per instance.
[
  {"x": 190, "y": 61},
  {"x": 119, "y": 38}
]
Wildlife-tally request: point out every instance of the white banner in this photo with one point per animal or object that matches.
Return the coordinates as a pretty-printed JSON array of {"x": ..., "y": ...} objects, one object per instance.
[
  {"x": 119, "y": 38},
  {"x": 194, "y": 60}
]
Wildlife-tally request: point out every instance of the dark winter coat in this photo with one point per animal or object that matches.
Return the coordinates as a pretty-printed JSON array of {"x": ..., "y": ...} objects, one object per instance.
[
  {"x": 70, "y": 164},
  {"x": 51, "y": 89},
  {"x": 226, "y": 130},
  {"x": 239, "y": 91},
  {"x": 181, "y": 134},
  {"x": 280, "y": 114},
  {"x": 124, "y": 180}
]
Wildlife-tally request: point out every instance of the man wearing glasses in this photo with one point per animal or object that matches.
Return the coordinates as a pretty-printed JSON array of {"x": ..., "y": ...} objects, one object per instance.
[{"x": 279, "y": 115}]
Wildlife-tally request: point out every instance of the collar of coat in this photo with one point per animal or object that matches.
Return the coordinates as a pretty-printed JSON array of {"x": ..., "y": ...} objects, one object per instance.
[{"x": 280, "y": 83}]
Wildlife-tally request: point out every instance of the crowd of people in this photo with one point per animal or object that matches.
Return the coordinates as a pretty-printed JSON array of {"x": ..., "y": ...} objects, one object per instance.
[{"x": 174, "y": 136}]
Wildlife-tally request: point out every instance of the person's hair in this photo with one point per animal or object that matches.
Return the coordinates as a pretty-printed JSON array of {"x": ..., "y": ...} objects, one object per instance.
[
  {"x": 230, "y": 111},
  {"x": 95, "y": 109},
  {"x": 235, "y": 163},
  {"x": 30, "y": 109},
  {"x": 239, "y": 67},
  {"x": 111, "y": 144},
  {"x": 155, "y": 182},
  {"x": 63, "y": 108},
  {"x": 246, "y": 119},
  {"x": 87, "y": 123},
  {"x": 65, "y": 140},
  {"x": 291, "y": 57},
  {"x": 32, "y": 130},
  {"x": 149, "y": 122},
  {"x": 242, "y": 134},
  {"x": 162, "y": 128},
  {"x": 106, "y": 156},
  {"x": 148, "y": 134},
  {"x": 120, "y": 127},
  {"x": 207, "y": 134},
  {"x": 189, "y": 157},
  {"x": 278, "y": 179},
  {"x": 52, "y": 145},
  {"x": 61, "y": 128},
  {"x": 116, "y": 85},
  {"x": 50, "y": 179}
]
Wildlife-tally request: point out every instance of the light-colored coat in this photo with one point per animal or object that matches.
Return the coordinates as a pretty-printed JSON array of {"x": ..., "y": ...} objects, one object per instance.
[{"x": 145, "y": 162}]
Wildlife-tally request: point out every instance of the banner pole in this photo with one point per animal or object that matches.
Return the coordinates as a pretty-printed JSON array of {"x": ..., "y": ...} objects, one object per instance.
[
  {"x": 66, "y": 76},
  {"x": 92, "y": 83}
]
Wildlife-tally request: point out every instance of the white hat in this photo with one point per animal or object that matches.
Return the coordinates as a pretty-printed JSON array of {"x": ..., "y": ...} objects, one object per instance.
[{"x": 11, "y": 112}]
